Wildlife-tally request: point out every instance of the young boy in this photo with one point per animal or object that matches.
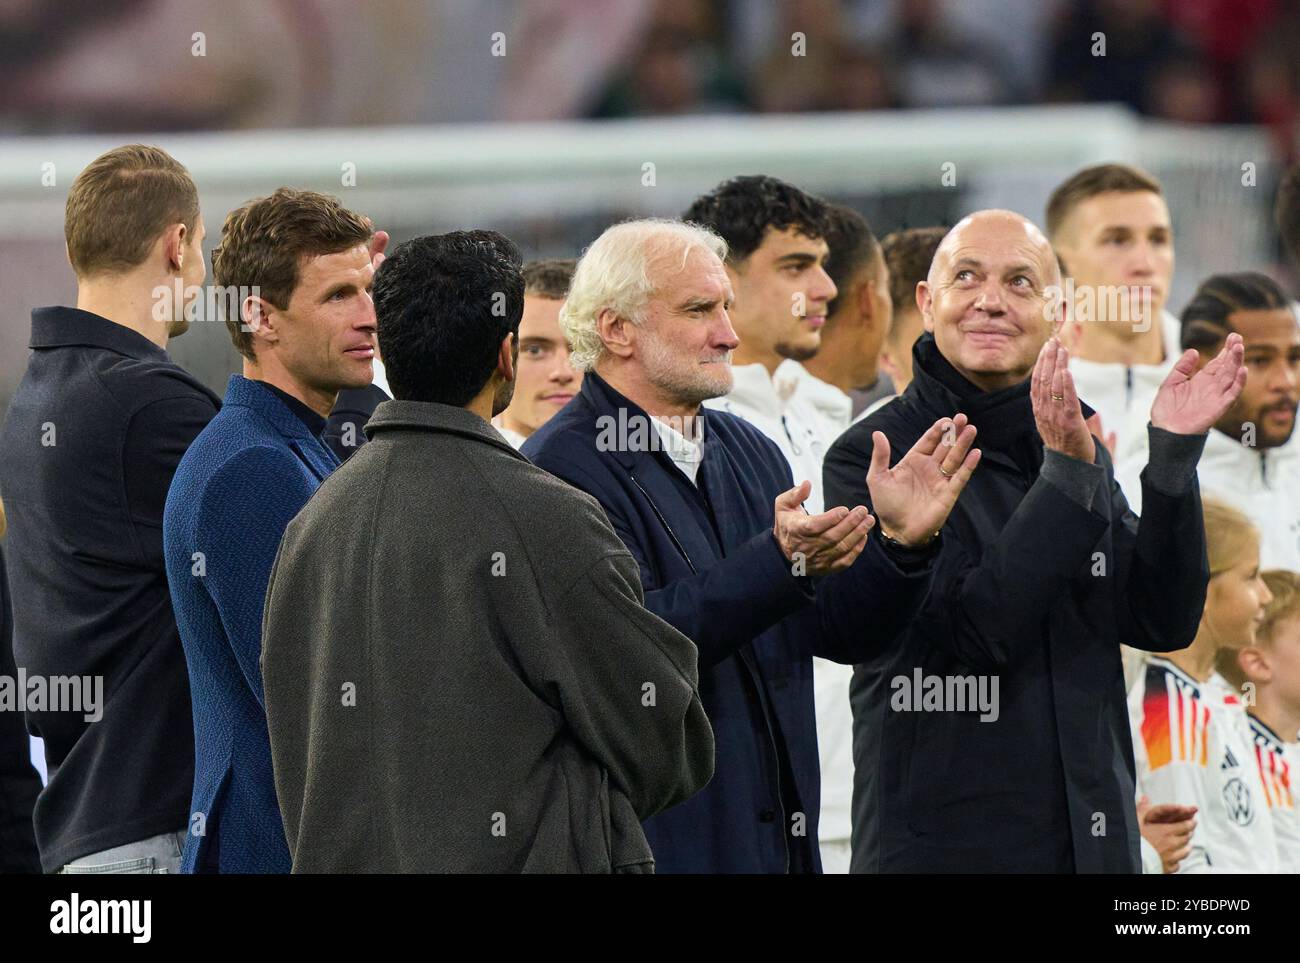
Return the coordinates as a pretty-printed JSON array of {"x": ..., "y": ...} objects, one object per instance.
[{"x": 1268, "y": 675}]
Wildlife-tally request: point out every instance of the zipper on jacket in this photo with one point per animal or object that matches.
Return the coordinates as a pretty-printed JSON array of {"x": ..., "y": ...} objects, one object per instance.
[
  {"x": 794, "y": 445},
  {"x": 750, "y": 674},
  {"x": 664, "y": 522}
]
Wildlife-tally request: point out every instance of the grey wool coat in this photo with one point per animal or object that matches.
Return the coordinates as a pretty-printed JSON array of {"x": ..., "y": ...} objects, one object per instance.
[{"x": 460, "y": 675}]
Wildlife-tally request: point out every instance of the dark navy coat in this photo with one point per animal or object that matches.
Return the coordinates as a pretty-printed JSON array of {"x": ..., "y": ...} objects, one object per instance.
[{"x": 712, "y": 568}]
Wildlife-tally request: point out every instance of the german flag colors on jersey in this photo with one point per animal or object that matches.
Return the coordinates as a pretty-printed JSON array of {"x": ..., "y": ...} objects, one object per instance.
[
  {"x": 1193, "y": 746},
  {"x": 1274, "y": 757}
]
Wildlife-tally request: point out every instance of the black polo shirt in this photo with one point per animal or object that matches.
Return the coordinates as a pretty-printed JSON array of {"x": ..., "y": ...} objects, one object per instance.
[{"x": 89, "y": 446}]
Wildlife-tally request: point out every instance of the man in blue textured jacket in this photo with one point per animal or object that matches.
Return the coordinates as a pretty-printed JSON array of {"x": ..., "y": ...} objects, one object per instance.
[
  {"x": 306, "y": 330},
  {"x": 707, "y": 506}
]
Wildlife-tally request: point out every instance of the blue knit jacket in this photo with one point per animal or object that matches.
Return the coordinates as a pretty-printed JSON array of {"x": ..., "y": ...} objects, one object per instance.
[{"x": 246, "y": 475}]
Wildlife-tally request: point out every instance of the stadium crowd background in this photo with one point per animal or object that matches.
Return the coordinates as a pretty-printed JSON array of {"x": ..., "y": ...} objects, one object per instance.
[{"x": 877, "y": 98}]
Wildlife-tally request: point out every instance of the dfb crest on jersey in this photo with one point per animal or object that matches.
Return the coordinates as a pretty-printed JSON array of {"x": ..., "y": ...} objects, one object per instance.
[{"x": 1237, "y": 800}]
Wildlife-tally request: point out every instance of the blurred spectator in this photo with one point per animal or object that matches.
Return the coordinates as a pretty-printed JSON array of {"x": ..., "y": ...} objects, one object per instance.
[
  {"x": 1268, "y": 89},
  {"x": 940, "y": 68},
  {"x": 187, "y": 64},
  {"x": 678, "y": 69},
  {"x": 863, "y": 80},
  {"x": 799, "y": 70},
  {"x": 1110, "y": 50},
  {"x": 1182, "y": 88},
  {"x": 569, "y": 49},
  {"x": 1286, "y": 213}
]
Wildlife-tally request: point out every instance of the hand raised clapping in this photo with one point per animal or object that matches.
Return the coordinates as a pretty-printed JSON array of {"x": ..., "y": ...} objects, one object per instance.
[
  {"x": 914, "y": 498},
  {"x": 819, "y": 544},
  {"x": 1191, "y": 401},
  {"x": 1057, "y": 411}
]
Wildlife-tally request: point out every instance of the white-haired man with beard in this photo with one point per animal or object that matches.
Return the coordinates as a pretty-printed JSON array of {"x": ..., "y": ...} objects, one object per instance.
[{"x": 708, "y": 507}]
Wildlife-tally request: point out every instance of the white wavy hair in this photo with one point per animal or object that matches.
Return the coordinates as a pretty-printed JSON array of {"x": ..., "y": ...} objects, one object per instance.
[{"x": 615, "y": 272}]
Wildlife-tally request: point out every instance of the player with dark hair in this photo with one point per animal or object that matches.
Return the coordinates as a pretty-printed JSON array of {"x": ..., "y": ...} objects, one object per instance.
[
  {"x": 846, "y": 370},
  {"x": 1251, "y": 460},
  {"x": 908, "y": 254}
]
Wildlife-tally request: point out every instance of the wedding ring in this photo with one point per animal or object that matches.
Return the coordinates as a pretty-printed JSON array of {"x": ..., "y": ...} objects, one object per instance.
[
  {"x": 1058, "y": 397},
  {"x": 946, "y": 474}
]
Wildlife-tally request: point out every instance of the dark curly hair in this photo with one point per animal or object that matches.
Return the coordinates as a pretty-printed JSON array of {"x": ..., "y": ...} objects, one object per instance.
[
  {"x": 443, "y": 304},
  {"x": 742, "y": 210}
]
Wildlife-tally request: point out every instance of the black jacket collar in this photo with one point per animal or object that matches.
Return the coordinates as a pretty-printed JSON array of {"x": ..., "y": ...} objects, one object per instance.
[
  {"x": 1004, "y": 419},
  {"x": 60, "y": 327}
]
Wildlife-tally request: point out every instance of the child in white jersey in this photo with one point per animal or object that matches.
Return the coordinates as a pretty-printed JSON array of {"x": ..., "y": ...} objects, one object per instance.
[
  {"x": 1268, "y": 676},
  {"x": 1191, "y": 736}
]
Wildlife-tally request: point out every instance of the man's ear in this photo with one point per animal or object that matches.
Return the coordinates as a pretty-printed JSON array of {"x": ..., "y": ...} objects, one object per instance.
[
  {"x": 259, "y": 319},
  {"x": 925, "y": 304},
  {"x": 175, "y": 239},
  {"x": 864, "y": 294},
  {"x": 506, "y": 356},
  {"x": 615, "y": 332}
]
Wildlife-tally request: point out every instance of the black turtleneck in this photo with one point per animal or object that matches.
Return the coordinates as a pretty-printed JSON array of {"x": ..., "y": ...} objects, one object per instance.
[
  {"x": 315, "y": 422},
  {"x": 1004, "y": 418},
  {"x": 1005, "y": 421}
]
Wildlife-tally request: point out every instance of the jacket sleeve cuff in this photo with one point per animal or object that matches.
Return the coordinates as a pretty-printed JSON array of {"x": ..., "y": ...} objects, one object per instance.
[
  {"x": 784, "y": 576},
  {"x": 1076, "y": 480},
  {"x": 1171, "y": 466},
  {"x": 910, "y": 559}
]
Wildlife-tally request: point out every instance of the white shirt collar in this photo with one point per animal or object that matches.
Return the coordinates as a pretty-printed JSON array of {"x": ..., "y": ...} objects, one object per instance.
[
  {"x": 380, "y": 380},
  {"x": 686, "y": 453},
  {"x": 516, "y": 440}
]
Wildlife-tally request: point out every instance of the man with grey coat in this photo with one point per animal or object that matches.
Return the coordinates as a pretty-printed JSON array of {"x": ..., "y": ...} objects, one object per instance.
[{"x": 460, "y": 675}]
